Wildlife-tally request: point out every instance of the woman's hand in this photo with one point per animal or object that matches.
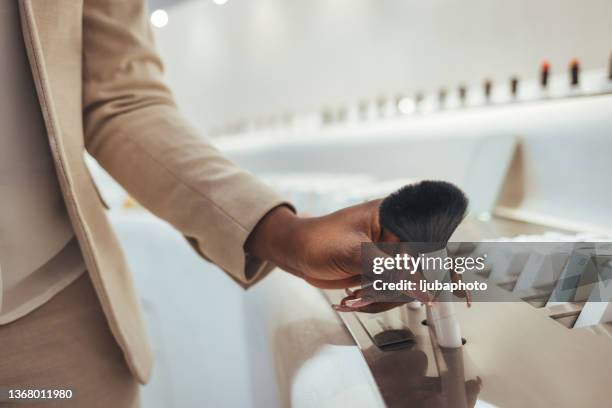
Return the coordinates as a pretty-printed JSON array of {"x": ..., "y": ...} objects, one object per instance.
[{"x": 324, "y": 251}]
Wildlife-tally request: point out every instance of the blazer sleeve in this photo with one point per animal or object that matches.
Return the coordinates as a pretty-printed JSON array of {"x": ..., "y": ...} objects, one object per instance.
[{"x": 133, "y": 129}]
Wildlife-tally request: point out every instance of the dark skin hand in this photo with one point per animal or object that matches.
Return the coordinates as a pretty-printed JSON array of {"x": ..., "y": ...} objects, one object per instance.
[{"x": 324, "y": 251}]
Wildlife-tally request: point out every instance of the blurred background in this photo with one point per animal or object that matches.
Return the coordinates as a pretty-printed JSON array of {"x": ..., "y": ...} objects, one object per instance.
[
  {"x": 333, "y": 102},
  {"x": 242, "y": 60}
]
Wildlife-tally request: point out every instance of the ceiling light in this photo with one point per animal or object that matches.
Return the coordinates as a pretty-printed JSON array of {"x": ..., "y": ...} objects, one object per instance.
[{"x": 159, "y": 18}]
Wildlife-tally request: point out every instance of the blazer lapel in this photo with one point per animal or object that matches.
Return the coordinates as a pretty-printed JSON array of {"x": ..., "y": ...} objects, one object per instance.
[
  {"x": 52, "y": 31},
  {"x": 52, "y": 34}
]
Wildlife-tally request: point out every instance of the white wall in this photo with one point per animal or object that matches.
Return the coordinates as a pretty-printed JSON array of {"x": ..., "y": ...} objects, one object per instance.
[{"x": 249, "y": 58}]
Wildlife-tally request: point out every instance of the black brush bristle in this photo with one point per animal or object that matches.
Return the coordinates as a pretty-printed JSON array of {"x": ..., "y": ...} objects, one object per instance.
[{"x": 425, "y": 212}]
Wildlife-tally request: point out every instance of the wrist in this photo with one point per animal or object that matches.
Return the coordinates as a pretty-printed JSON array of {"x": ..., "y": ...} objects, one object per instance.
[{"x": 275, "y": 237}]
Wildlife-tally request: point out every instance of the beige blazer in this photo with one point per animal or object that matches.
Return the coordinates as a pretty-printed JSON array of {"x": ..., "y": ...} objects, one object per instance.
[{"x": 99, "y": 82}]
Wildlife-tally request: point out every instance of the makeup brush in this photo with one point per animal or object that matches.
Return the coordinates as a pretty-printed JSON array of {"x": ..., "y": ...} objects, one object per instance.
[{"x": 424, "y": 216}]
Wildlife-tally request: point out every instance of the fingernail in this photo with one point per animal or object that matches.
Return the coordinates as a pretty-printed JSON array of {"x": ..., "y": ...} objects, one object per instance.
[
  {"x": 349, "y": 291},
  {"x": 357, "y": 303},
  {"x": 340, "y": 308}
]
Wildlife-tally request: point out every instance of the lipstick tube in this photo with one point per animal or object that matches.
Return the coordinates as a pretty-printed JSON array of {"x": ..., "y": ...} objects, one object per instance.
[
  {"x": 574, "y": 72},
  {"x": 544, "y": 74}
]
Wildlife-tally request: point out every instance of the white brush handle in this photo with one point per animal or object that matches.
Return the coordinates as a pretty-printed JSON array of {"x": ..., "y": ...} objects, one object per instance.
[
  {"x": 414, "y": 305},
  {"x": 442, "y": 312},
  {"x": 446, "y": 325}
]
